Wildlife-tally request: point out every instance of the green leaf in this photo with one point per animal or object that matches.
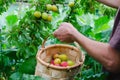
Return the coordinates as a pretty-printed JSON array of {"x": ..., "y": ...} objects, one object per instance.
[
  {"x": 6, "y": 61},
  {"x": 28, "y": 66},
  {"x": 102, "y": 28},
  {"x": 86, "y": 19},
  {"x": 31, "y": 77},
  {"x": 101, "y": 24},
  {"x": 11, "y": 53},
  {"x": 11, "y": 19},
  {"x": 20, "y": 76},
  {"x": 102, "y": 20},
  {"x": 15, "y": 76}
]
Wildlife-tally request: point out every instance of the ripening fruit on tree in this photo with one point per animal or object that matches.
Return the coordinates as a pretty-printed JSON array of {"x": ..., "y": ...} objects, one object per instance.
[
  {"x": 44, "y": 16},
  {"x": 49, "y": 18},
  {"x": 37, "y": 14},
  {"x": 49, "y": 7},
  {"x": 54, "y": 8},
  {"x": 71, "y": 4},
  {"x": 13, "y": 68}
]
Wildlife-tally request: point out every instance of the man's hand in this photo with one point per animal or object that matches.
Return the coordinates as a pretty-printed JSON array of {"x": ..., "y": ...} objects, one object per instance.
[{"x": 65, "y": 32}]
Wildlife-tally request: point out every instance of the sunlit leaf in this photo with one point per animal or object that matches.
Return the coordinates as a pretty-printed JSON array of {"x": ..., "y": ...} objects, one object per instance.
[{"x": 11, "y": 19}]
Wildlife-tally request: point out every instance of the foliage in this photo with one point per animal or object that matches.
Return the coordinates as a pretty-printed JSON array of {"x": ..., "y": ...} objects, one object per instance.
[
  {"x": 4, "y": 4},
  {"x": 19, "y": 76},
  {"x": 22, "y": 37},
  {"x": 94, "y": 7}
]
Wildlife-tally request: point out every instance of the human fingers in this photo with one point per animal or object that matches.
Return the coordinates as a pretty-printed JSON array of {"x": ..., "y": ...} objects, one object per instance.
[{"x": 55, "y": 33}]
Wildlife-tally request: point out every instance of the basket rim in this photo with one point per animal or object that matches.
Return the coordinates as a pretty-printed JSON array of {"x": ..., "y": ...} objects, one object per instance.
[{"x": 58, "y": 67}]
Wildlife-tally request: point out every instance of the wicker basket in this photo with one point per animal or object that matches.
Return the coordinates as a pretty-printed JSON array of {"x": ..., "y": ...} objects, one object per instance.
[{"x": 51, "y": 72}]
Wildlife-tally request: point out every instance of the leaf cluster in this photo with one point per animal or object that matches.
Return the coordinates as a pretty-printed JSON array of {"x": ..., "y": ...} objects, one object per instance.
[{"x": 4, "y": 4}]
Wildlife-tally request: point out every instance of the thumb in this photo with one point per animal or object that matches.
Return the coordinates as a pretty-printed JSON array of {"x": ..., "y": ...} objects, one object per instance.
[{"x": 55, "y": 33}]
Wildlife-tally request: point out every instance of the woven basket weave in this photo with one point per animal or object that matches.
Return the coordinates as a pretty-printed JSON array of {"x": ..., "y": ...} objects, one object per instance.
[{"x": 51, "y": 72}]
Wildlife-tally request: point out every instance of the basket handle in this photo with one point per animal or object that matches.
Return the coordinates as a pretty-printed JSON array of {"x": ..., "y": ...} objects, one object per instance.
[
  {"x": 80, "y": 53},
  {"x": 76, "y": 44},
  {"x": 43, "y": 43}
]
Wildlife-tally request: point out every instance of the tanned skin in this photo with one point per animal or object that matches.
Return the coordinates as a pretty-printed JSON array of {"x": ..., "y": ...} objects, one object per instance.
[{"x": 111, "y": 3}]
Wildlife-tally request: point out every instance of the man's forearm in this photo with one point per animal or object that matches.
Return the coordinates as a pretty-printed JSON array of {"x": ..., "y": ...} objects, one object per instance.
[
  {"x": 94, "y": 48},
  {"x": 111, "y": 3},
  {"x": 102, "y": 52}
]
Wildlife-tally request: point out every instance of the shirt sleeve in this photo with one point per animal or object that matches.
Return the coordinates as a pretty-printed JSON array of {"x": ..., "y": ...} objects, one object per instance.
[{"x": 115, "y": 39}]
